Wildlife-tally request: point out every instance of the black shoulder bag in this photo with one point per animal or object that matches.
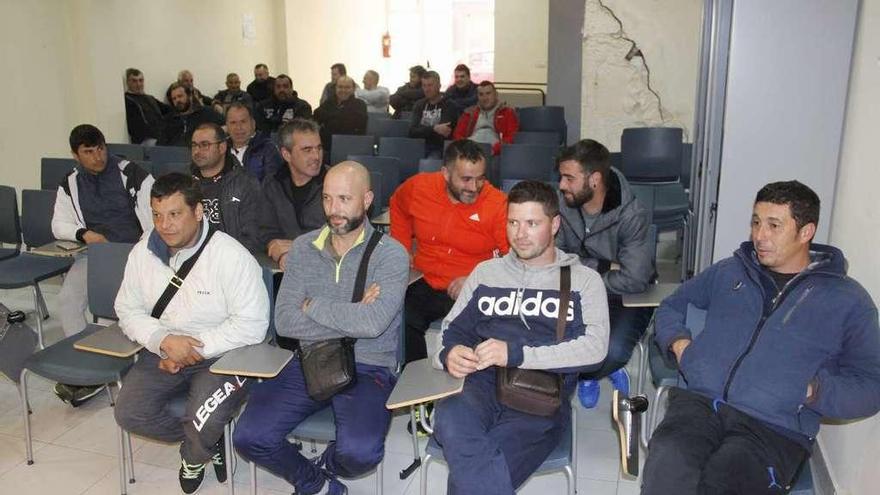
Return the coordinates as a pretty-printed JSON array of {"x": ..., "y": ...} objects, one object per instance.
[
  {"x": 536, "y": 392},
  {"x": 328, "y": 366},
  {"x": 177, "y": 279}
]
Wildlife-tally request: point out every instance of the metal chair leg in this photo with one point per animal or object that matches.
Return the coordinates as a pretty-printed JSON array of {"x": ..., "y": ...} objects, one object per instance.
[
  {"x": 230, "y": 457},
  {"x": 123, "y": 486},
  {"x": 253, "y": 469},
  {"x": 42, "y": 301},
  {"x": 38, "y": 308},
  {"x": 423, "y": 474},
  {"x": 130, "y": 458},
  {"x": 379, "y": 477},
  {"x": 22, "y": 388}
]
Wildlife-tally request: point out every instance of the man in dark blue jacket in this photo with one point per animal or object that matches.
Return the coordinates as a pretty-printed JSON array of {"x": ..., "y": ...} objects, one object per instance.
[
  {"x": 789, "y": 339},
  {"x": 254, "y": 150}
]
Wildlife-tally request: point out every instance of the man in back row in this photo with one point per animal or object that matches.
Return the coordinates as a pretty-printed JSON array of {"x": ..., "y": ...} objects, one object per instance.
[
  {"x": 253, "y": 150},
  {"x": 433, "y": 117},
  {"x": 489, "y": 121},
  {"x": 284, "y": 106}
]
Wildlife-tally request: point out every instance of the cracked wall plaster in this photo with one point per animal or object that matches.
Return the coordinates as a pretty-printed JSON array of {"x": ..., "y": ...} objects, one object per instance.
[{"x": 616, "y": 92}]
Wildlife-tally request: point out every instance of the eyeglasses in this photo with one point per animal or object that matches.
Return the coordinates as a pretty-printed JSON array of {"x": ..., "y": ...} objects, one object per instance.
[{"x": 203, "y": 145}]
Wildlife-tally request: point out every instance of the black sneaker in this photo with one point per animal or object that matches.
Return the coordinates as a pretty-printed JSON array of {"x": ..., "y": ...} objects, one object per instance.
[
  {"x": 191, "y": 476},
  {"x": 64, "y": 392},
  {"x": 219, "y": 460},
  {"x": 81, "y": 395}
]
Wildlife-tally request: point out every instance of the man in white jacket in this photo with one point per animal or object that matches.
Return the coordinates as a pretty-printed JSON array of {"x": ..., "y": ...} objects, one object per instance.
[{"x": 221, "y": 304}]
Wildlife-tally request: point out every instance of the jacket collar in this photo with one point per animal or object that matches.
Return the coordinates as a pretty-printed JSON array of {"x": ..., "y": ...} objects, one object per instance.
[
  {"x": 824, "y": 259},
  {"x": 160, "y": 249}
]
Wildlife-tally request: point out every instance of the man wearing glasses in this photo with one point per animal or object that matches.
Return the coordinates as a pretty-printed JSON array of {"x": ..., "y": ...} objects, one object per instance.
[{"x": 231, "y": 196}]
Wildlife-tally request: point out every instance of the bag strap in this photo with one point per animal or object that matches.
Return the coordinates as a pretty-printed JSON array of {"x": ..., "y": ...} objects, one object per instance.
[
  {"x": 361, "y": 279},
  {"x": 564, "y": 297},
  {"x": 178, "y": 277}
]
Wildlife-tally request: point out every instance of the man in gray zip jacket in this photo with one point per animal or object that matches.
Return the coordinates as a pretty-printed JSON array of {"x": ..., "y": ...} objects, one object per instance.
[
  {"x": 315, "y": 304},
  {"x": 603, "y": 223}
]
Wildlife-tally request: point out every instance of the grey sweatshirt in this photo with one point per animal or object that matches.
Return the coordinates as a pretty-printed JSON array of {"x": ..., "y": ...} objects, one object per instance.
[{"x": 329, "y": 285}]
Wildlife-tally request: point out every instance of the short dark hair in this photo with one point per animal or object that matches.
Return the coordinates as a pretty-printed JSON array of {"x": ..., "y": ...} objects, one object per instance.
[
  {"x": 537, "y": 191},
  {"x": 463, "y": 149},
  {"x": 299, "y": 124},
  {"x": 340, "y": 68},
  {"x": 803, "y": 201},
  {"x": 284, "y": 76},
  {"x": 463, "y": 68},
  {"x": 177, "y": 182},
  {"x": 86, "y": 135},
  {"x": 219, "y": 133},
  {"x": 591, "y": 155},
  {"x": 483, "y": 84},
  {"x": 241, "y": 106},
  {"x": 418, "y": 69},
  {"x": 131, "y": 71},
  {"x": 261, "y": 66}
]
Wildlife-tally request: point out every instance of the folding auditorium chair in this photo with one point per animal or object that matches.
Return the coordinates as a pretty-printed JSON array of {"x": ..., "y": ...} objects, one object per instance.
[
  {"x": 408, "y": 150},
  {"x": 527, "y": 161},
  {"x": 133, "y": 152},
  {"x": 386, "y": 127},
  {"x": 389, "y": 168},
  {"x": 10, "y": 227},
  {"x": 430, "y": 165},
  {"x": 54, "y": 170},
  {"x": 536, "y": 137},
  {"x": 163, "y": 168},
  {"x": 167, "y": 154},
  {"x": 544, "y": 119},
  {"x": 348, "y": 144}
]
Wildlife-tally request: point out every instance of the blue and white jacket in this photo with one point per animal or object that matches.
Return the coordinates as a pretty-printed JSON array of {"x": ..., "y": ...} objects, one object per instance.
[{"x": 760, "y": 350}]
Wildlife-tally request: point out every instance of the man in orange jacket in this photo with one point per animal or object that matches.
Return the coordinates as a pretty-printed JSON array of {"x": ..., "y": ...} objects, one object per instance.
[
  {"x": 489, "y": 121},
  {"x": 457, "y": 220}
]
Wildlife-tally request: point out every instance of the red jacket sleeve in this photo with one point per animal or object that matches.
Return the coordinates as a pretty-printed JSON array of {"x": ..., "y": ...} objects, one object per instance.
[
  {"x": 463, "y": 126},
  {"x": 401, "y": 219}
]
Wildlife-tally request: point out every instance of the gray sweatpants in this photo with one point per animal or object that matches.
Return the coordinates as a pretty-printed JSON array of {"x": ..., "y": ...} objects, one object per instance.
[
  {"x": 73, "y": 299},
  {"x": 211, "y": 401}
]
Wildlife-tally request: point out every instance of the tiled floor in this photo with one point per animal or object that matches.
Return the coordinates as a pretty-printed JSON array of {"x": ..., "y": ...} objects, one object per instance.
[{"x": 75, "y": 449}]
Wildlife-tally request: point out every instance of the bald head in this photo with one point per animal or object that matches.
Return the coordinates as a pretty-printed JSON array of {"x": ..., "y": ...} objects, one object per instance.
[{"x": 347, "y": 196}]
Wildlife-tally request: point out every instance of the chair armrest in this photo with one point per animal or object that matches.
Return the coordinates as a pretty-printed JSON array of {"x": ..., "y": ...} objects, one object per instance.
[
  {"x": 109, "y": 341},
  {"x": 257, "y": 361},
  {"x": 420, "y": 382}
]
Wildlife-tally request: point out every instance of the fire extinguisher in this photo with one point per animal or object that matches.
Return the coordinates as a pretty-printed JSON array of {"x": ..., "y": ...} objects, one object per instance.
[{"x": 386, "y": 45}]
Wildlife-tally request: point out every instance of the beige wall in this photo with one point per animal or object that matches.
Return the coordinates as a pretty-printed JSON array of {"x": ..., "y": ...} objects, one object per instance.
[
  {"x": 521, "y": 40},
  {"x": 852, "y": 451},
  {"x": 70, "y": 58}
]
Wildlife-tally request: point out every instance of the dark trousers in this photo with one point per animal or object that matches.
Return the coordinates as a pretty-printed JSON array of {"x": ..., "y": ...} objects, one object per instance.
[
  {"x": 211, "y": 401},
  {"x": 492, "y": 449},
  {"x": 627, "y": 327},
  {"x": 275, "y": 407},
  {"x": 698, "y": 450},
  {"x": 423, "y": 305}
]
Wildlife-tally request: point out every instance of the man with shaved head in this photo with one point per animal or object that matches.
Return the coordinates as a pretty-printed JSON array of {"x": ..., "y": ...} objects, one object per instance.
[{"x": 318, "y": 302}]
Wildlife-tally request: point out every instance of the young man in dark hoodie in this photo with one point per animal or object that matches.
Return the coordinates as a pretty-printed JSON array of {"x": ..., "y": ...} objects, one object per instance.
[
  {"x": 283, "y": 107},
  {"x": 463, "y": 92},
  {"x": 143, "y": 112},
  {"x": 263, "y": 85},
  {"x": 433, "y": 117},
  {"x": 342, "y": 114},
  {"x": 603, "y": 223},
  {"x": 788, "y": 340},
  {"x": 187, "y": 115},
  {"x": 254, "y": 150},
  {"x": 407, "y": 95}
]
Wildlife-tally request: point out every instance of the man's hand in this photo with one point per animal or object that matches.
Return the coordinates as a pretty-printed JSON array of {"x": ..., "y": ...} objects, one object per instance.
[
  {"x": 492, "y": 352},
  {"x": 93, "y": 237},
  {"x": 181, "y": 349},
  {"x": 169, "y": 366},
  {"x": 678, "y": 348},
  {"x": 461, "y": 361},
  {"x": 444, "y": 129},
  {"x": 278, "y": 248},
  {"x": 455, "y": 287},
  {"x": 371, "y": 294},
  {"x": 306, "y": 302}
]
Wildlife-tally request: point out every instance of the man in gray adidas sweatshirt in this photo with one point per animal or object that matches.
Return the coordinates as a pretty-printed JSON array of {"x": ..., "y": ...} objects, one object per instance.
[
  {"x": 506, "y": 315},
  {"x": 315, "y": 304}
]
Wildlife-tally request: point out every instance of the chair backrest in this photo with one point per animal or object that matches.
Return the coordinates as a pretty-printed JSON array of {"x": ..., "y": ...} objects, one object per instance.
[
  {"x": 348, "y": 144},
  {"x": 430, "y": 164},
  {"x": 134, "y": 152},
  {"x": 382, "y": 127},
  {"x": 380, "y": 195},
  {"x": 10, "y": 223},
  {"x": 647, "y": 197},
  {"x": 407, "y": 115},
  {"x": 544, "y": 118},
  {"x": 167, "y": 154},
  {"x": 614, "y": 159},
  {"x": 687, "y": 153},
  {"x": 106, "y": 268},
  {"x": 162, "y": 168},
  {"x": 389, "y": 170},
  {"x": 37, "y": 209},
  {"x": 651, "y": 154},
  {"x": 546, "y": 138},
  {"x": 147, "y": 166},
  {"x": 527, "y": 161},
  {"x": 408, "y": 150},
  {"x": 54, "y": 170}
]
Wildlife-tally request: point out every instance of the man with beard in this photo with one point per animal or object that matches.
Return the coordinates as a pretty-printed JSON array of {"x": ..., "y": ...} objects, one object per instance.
[
  {"x": 231, "y": 94},
  {"x": 603, "y": 223},
  {"x": 185, "y": 78},
  {"x": 283, "y": 107},
  {"x": 230, "y": 196},
  {"x": 455, "y": 219},
  {"x": 143, "y": 112},
  {"x": 292, "y": 196},
  {"x": 343, "y": 114},
  {"x": 463, "y": 92},
  {"x": 263, "y": 84},
  {"x": 180, "y": 124},
  {"x": 433, "y": 117},
  {"x": 254, "y": 151},
  {"x": 315, "y": 304},
  {"x": 490, "y": 447},
  {"x": 407, "y": 95},
  {"x": 490, "y": 121}
]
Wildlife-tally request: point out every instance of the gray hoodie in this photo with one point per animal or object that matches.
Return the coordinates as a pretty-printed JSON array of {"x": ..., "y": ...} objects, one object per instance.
[
  {"x": 329, "y": 285},
  {"x": 619, "y": 234}
]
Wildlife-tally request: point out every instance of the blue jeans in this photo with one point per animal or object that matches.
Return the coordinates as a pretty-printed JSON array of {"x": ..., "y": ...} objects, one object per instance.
[
  {"x": 490, "y": 448},
  {"x": 275, "y": 407},
  {"x": 627, "y": 327}
]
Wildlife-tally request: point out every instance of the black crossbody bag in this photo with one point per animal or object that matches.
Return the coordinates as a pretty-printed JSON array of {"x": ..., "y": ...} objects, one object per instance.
[
  {"x": 178, "y": 277},
  {"x": 328, "y": 366},
  {"x": 536, "y": 392}
]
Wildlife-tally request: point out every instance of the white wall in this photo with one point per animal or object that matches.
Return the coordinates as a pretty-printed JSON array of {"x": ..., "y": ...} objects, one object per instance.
[
  {"x": 70, "y": 58},
  {"x": 521, "y": 40},
  {"x": 852, "y": 451},
  {"x": 615, "y": 91}
]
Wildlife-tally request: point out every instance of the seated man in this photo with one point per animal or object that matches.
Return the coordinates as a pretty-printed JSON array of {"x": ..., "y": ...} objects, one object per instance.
[
  {"x": 143, "y": 112},
  {"x": 789, "y": 339},
  {"x": 254, "y": 151},
  {"x": 292, "y": 196},
  {"x": 604, "y": 223},
  {"x": 343, "y": 114},
  {"x": 456, "y": 219},
  {"x": 337, "y": 70},
  {"x": 408, "y": 94},
  {"x": 185, "y": 117},
  {"x": 221, "y": 305},
  {"x": 492, "y": 448},
  {"x": 490, "y": 121},
  {"x": 230, "y": 196},
  {"x": 104, "y": 199},
  {"x": 463, "y": 92},
  {"x": 284, "y": 106},
  {"x": 185, "y": 78},
  {"x": 231, "y": 94},
  {"x": 433, "y": 116},
  {"x": 315, "y": 304},
  {"x": 263, "y": 85},
  {"x": 375, "y": 96}
]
